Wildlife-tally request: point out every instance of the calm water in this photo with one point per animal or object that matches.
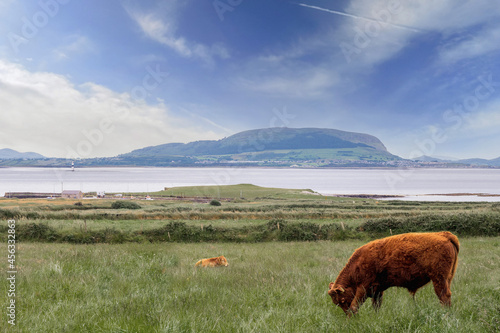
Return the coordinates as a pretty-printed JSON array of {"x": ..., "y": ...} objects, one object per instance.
[{"x": 415, "y": 183}]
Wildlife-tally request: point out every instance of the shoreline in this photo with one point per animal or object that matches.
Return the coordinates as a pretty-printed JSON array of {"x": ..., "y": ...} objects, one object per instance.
[{"x": 369, "y": 183}]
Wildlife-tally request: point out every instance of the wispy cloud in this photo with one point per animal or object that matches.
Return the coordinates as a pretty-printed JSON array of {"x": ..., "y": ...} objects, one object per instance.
[
  {"x": 485, "y": 122},
  {"x": 74, "y": 44},
  {"x": 163, "y": 30},
  {"x": 482, "y": 43},
  {"x": 305, "y": 83}
]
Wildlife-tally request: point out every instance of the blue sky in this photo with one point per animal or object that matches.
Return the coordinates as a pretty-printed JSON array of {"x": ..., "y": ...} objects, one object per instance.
[{"x": 101, "y": 78}]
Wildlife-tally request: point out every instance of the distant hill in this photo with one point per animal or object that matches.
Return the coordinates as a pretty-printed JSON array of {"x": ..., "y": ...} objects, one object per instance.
[
  {"x": 269, "y": 147},
  {"x": 7, "y": 154},
  {"x": 425, "y": 158},
  {"x": 480, "y": 161},
  {"x": 268, "y": 139},
  {"x": 470, "y": 161}
]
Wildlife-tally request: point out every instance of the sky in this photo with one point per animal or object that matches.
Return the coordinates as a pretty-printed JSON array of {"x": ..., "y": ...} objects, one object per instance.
[{"x": 92, "y": 78}]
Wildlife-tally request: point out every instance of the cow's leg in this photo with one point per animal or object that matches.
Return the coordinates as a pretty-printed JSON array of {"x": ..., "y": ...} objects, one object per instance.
[
  {"x": 412, "y": 293},
  {"x": 359, "y": 299},
  {"x": 377, "y": 300},
  {"x": 442, "y": 290}
]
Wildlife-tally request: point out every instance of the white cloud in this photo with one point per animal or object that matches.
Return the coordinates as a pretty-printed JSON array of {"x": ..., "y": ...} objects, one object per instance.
[
  {"x": 442, "y": 16},
  {"x": 382, "y": 38},
  {"x": 163, "y": 29},
  {"x": 482, "y": 43},
  {"x": 305, "y": 83},
  {"x": 74, "y": 44},
  {"x": 484, "y": 122},
  {"x": 46, "y": 113}
]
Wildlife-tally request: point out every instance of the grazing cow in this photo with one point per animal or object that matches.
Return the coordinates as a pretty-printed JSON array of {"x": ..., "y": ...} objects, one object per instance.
[
  {"x": 409, "y": 260},
  {"x": 213, "y": 262}
]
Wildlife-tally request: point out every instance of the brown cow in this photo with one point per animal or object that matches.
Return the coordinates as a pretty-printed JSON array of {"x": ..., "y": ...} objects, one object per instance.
[
  {"x": 409, "y": 260},
  {"x": 213, "y": 262}
]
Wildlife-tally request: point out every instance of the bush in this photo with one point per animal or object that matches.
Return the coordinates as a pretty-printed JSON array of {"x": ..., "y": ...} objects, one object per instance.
[
  {"x": 9, "y": 214},
  {"x": 37, "y": 232},
  {"x": 174, "y": 231},
  {"x": 215, "y": 203},
  {"x": 125, "y": 205},
  {"x": 473, "y": 224}
]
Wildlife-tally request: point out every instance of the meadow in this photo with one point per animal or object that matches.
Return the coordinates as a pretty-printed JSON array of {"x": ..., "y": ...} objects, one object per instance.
[
  {"x": 84, "y": 266},
  {"x": 267, "y": 287}
]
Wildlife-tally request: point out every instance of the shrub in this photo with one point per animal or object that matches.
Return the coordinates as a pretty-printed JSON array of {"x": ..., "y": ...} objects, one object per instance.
[
  {"x": 302, "y": 231},
  {"x": 125, "y": 205},
  {"x": 215, "y": 203},
  {"x": 37, "y": 231},
  {"x": 9, "y": 214},
  {"x": 474, "y": 224}
]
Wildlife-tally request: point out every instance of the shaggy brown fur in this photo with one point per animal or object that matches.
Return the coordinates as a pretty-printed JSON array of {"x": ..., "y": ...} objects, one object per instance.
[
  {"x": 213, "y": 262},
  {"x": 409, "y": 260}
]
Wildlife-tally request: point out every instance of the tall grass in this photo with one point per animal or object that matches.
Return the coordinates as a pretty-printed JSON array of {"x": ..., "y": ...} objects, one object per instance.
[
  {"x": 267, "y": 287},
  {"x": 274, "y": 230},
  {"x": 174, "y": 231}
]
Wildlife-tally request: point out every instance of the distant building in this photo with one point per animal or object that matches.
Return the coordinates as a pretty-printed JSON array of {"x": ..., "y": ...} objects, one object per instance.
[
  {"x": 71, "y": 194},
  {"x": 31, "y": 195}
]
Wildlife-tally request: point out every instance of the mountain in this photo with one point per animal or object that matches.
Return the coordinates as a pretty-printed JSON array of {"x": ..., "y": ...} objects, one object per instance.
[
  {"x": 268, "y": 139},
  {"x": 269, "y": 147},
  {"x": 482, "y": 162},
  {"x": 425, "y": 158},
  {"x": 8, "y": 154}
]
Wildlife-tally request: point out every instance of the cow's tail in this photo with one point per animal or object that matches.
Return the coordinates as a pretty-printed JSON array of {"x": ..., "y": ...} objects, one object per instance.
[
  {"x": 456, "y": 244},
  {"x": 198, "y": 263}
]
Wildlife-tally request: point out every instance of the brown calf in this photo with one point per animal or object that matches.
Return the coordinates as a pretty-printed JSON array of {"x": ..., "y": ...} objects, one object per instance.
[{"x": 213, "y": 262}]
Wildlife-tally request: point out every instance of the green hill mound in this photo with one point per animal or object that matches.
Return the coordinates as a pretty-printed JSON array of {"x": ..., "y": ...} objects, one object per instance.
[{"x": 269, "y": 139}]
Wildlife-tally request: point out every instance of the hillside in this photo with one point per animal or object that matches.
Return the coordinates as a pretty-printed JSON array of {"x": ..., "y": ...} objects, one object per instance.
[
  {"x": 482, "y": 162},
  {"x": 7, "y": 154},
  {"x": 270, "y": 146},
  {"x": 268, "y": 139},
  {"x": 476, "y": 162}
]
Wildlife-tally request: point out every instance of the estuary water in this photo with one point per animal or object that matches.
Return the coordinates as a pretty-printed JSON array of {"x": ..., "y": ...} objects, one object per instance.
[{"x": 414, "y": 184}]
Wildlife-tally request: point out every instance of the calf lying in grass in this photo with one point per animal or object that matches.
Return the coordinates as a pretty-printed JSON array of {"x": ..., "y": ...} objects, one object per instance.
[{"x": 212, "y": 262}]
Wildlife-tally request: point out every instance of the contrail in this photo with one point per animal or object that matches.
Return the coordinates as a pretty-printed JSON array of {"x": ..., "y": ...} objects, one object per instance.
[
  {"x": 360, "y": 17},
  {"x": 192, "y": 114}
]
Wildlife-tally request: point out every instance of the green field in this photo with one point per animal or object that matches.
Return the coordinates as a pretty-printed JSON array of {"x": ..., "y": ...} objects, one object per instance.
[
  {"x": 267, "y": 287},
  {"x": 314, "y": 156},
  {"x": 84, "y": 266}
]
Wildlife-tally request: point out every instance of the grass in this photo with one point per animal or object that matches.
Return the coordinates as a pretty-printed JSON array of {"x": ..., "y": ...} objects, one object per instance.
[
  {"x": 300, "y": 155},
  {"x": 268, "y": 287},
  {"x": 90, "y": 221},
  {"x": 241, "y": 191}
]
